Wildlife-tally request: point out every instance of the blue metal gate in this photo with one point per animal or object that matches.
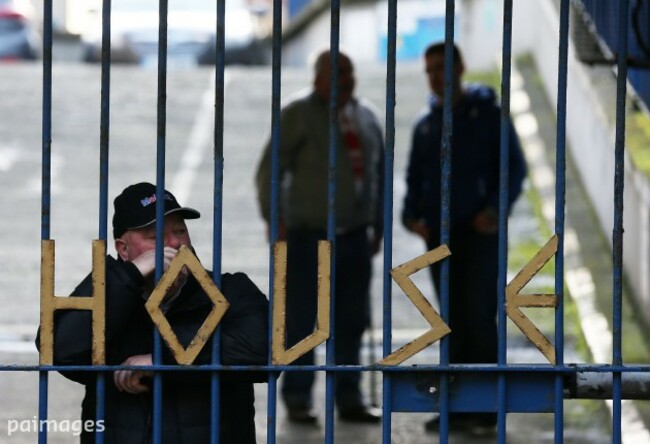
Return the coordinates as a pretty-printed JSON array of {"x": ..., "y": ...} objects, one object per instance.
[{"x": 499, "y": 388}]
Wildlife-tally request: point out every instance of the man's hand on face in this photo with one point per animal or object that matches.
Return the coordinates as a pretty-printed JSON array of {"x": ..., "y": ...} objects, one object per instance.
[
  {"x": 146, "y": 262},
  {"x": 131, "y": 381}
]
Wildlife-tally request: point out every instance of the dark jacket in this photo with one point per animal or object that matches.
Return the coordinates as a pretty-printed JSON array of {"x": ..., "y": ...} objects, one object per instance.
[
  {"x": 186, "y": 395},
  {"x": 474, "y": 161}
]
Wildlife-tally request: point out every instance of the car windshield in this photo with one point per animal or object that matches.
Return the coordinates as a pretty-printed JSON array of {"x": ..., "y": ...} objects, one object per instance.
[{"x": 173, "y": 5}]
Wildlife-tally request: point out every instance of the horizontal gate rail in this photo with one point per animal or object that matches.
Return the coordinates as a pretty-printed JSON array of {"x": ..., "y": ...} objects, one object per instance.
[{"x": 420, "y": 368}]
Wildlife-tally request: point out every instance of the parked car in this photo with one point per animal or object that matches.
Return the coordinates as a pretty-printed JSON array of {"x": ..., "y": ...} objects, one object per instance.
[
  {"x": 18, "y": 37},
  {"x": 191, "y": 33}
]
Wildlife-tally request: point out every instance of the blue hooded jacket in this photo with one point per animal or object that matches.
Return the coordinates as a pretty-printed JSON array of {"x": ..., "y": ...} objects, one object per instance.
[{"x": 474, "y": 164}]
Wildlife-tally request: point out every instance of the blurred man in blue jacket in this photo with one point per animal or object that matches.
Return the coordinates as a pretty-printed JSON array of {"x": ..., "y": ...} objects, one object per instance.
[{"x": 475, "y": 153}]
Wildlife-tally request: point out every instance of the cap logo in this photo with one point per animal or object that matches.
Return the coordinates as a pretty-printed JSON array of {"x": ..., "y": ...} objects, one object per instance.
[{"x": 152, "y": 199}]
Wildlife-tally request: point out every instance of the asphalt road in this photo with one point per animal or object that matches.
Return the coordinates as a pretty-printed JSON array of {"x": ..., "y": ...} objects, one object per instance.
[{"x": 189, "y": 174}]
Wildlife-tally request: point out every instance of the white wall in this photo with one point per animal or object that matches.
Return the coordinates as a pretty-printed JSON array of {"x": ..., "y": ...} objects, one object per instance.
[
  {"x": 361, "y": 28},
  {"x": 480, "y": 34},
  {"x": 591, "y": 105},
  {"x": 317, "y": 36},
  {"x": 360, "y": 46},
  {"x": 479, "y": 30}
]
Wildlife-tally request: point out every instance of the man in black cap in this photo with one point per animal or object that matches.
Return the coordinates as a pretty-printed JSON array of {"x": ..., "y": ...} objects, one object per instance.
[{"x": 129, "y": 335}]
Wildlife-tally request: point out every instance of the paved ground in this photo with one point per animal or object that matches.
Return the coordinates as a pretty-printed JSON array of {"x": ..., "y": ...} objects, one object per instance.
[{"x": 189, "y": 175}]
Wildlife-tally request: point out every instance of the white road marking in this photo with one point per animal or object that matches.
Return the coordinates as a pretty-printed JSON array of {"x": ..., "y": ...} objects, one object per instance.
[
  {"x": 198, "y": 141},
  {"x": 8, "y": 157}
]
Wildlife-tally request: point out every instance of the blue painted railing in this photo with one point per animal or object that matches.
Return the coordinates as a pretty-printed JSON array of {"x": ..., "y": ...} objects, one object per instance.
[
  {"x": 605, "y": 15},
  {"x": 503, "y": 372}
]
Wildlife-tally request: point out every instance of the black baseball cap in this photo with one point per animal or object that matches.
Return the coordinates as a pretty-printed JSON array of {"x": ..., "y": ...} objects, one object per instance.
[{"x": 136, "y": 208}]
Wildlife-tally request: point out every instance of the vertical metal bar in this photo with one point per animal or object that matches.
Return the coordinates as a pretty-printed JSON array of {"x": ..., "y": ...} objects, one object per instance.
[
  {"x": 42, "y": 405},
  {"x": 276, "y": 94},
  {"x": 103, "y": 177},
  {"x": 504, "y": 180},
  {"x": 104, "y": 118},
  {"x": 46, "y": 176},
  {"x": 330, "y": 377},
  {"x": 215, "y": 377},
  {"x": 504, "y": 177},
  {"x": 46, "y": 185},
  {"x": 445, "y": 194},
  {"x": 617, "y": 235},
  {"x": 560, "y": 196},
  {"x": 160, "y": 206},
  {"x": 389, "y": 154}
]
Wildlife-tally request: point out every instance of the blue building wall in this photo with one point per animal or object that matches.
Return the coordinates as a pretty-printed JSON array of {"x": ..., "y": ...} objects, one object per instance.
[{"x": 411, "y": 45}]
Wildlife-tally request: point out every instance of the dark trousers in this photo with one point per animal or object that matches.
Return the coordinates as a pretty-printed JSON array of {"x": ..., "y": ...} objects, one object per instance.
[
  {"x": 473, "y": 274},
  {"x": 352, "y": 314}
]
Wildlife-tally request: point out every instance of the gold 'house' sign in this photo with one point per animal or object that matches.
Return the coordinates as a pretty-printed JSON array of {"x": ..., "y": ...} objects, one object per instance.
[{"x": 280, "y": 354}]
